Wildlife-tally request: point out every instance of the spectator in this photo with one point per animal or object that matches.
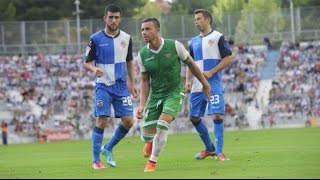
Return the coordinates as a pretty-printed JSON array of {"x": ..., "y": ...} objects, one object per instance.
[
  {"x": 4, "y": 130},
  {"x": 267, "y": 42}
]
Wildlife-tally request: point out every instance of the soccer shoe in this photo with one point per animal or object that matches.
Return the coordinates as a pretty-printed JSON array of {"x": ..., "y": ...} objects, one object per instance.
[
  {"x": 98, "y": 166},
  {"x": 222, "y": 157},
  {"x": 147, "y": 149},
  {"x": 203, "y": 154},
  {"x": 150, "y": 167},
  {"x": 109, "y": 156}
]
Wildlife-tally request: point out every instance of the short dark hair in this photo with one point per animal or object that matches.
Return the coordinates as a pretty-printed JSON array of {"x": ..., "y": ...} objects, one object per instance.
[
  {"x": 152, "y": 19},
  {"x": 113, "y": 8},
  {"x": 205, "y": 13}
]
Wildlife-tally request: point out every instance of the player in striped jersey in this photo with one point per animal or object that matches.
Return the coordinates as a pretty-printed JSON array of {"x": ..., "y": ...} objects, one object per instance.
[
  {"x": 111, "y": 51},
  {"x": 211, "y": 53}
]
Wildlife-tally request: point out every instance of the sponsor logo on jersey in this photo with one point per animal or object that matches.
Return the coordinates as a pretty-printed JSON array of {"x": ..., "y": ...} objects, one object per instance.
[
  {"x": 150, "y": 58},
  {"x": 103, "y": 45}
]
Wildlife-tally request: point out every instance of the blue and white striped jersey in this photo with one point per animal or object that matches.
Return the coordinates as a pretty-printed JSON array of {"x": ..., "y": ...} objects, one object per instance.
[
  {"x": 207, "y": 52},
  {"x": 110, "y": 54}
]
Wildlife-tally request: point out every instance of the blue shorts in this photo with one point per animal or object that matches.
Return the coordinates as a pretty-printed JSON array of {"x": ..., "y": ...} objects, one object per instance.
[
  {"x": 198, "y": 104},
  {"x": 118, "y": 95}
]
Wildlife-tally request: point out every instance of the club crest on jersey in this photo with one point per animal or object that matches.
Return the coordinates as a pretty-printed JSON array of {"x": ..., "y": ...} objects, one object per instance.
[
  {"x": 123, "y": 44},
  {"x": 99, "y": 103},
  {"x": 210, "y": 42},
  {"x": 167, "y": 55}
]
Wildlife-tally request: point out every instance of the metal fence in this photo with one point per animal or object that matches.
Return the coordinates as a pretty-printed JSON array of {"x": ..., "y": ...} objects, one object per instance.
[{"x": 61, "y": 36}]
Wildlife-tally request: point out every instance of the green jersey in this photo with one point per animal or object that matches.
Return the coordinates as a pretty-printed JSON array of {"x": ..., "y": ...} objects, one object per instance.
[{"x": 163, "y": 67}]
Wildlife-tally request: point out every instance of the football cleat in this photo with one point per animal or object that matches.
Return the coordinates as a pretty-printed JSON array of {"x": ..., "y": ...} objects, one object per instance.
[
  {"x": 109, "y": 156},
  {"x": 150, "y": 167},
  {"x": 147, "y": 149},
  {"x": 222, "y": 157},
  {"x": 203, "y": 154},
  {"x": 98, "y": 166}
]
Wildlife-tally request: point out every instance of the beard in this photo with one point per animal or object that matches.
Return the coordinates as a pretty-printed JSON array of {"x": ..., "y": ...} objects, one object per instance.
[
  {"x": 199, "y": 28},
  {"x": 146, "y": 39},
  {"x": 112, "y": 27}
]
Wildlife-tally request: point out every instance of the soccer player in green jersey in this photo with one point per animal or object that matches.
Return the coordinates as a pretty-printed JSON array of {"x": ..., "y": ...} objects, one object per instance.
[{"x": 161, "y": 87}]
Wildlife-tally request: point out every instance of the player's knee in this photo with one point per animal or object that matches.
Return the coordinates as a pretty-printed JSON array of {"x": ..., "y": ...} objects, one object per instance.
[
  {"x": 127, "y": 123},
  {"x": 101, "y": 121},
  {"x": 217, "y": 116},
  {"x": 195, "y": 120},
  {"x": 147, "y": 137},
  {"x": 163, "y": 125}
]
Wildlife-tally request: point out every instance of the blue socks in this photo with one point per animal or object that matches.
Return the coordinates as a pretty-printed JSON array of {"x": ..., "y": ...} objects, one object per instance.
[
  {"x": 204, "y": 135},
  {"x": 97, "y": 137},
  {"x": 218, "y": 129},
  {"x": 120, "y": 133}
]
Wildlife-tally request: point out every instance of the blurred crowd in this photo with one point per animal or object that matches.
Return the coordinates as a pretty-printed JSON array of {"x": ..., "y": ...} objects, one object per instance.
[
  {"x": 295, "y": 92},
  {"x": 45, "y": 90},
  {"x": 49, "y": 91}
]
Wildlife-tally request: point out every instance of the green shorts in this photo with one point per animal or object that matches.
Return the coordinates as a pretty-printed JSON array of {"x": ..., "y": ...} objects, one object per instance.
[{"x": 171, "y": 105}]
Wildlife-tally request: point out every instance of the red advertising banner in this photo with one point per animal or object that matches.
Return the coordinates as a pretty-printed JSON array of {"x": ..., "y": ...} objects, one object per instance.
[{"x": 57, "y": 135}]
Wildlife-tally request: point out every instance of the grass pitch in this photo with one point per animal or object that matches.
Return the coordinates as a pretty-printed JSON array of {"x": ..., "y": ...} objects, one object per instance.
[{"x": 270, "y": 153}]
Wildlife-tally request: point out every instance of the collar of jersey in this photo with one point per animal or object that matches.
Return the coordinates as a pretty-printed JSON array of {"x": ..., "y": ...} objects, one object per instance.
[
  {"x": 156, "y": 51},
  {"x": 110, "y": 35}
]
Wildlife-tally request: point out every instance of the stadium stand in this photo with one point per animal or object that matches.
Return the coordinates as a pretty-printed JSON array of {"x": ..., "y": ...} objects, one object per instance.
[
  {"x": 295, "y": 93},
  {"x": 52, "y": 92}
]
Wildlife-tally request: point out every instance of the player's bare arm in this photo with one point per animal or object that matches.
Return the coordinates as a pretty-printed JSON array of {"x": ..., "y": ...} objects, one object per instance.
[
  {"x": 144, "y": 93},
  {"x": 97, "y": 71},
  {"x": 189, "y": 78},
  {"x": 226, "y": 61},
  {"x": 133, "y": 90}
]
